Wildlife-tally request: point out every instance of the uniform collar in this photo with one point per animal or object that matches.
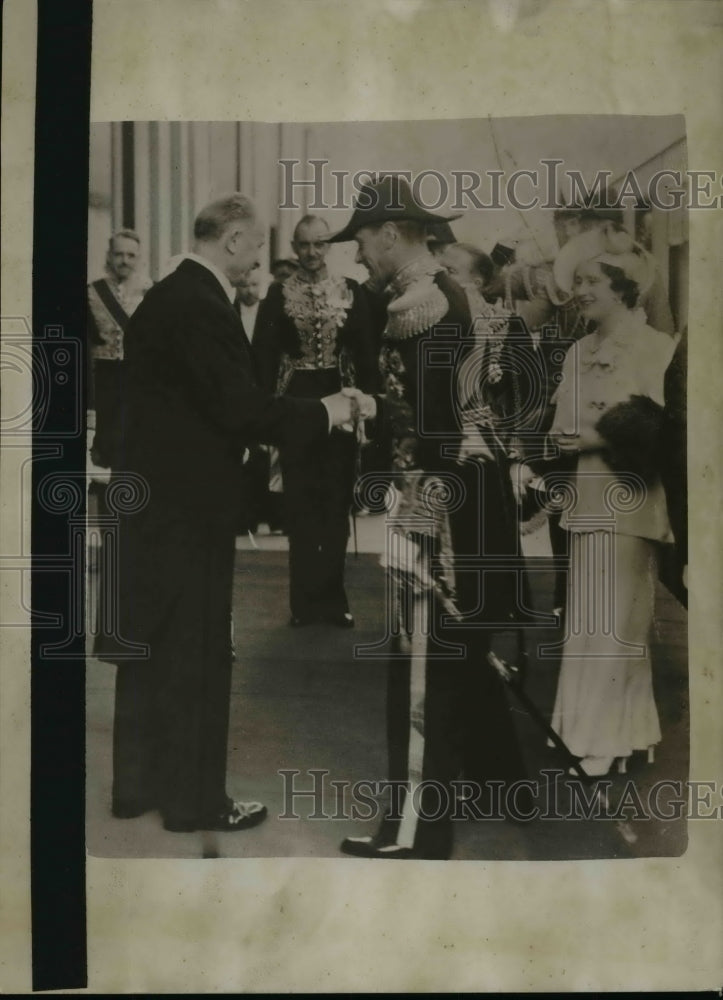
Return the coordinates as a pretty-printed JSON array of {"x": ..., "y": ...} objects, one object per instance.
[
  {"x": 412, "y": 271},
  {"x": 311, "y": 279}
]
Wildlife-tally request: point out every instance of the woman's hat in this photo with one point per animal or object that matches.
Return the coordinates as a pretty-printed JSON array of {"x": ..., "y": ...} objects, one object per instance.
[
  {"x": 607, "y": 244},
  {"x": 388, "y": 200}
]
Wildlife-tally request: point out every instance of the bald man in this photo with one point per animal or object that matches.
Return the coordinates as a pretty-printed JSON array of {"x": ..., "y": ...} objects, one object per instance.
[{"x": 191, "y": 405}]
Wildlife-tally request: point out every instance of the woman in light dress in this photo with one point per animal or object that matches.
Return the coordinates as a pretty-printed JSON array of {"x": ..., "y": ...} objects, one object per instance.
[{"x": 604, "y": 706}]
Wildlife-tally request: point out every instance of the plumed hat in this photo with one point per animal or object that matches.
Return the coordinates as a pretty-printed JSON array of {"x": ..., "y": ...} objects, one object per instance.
[{"x": 606, "y": 245}]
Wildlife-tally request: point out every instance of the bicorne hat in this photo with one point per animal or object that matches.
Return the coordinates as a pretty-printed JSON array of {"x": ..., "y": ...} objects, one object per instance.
[
  {"x": 390, "y": 199},
  {"x": 440, "y": 234}
]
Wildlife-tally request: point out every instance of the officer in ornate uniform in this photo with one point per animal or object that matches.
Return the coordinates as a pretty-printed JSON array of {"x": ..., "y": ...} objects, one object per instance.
[
  {"x": 314, "y": 337},
  {"x": 112, "y": 300},
  {"x": 453, "y": 520}
]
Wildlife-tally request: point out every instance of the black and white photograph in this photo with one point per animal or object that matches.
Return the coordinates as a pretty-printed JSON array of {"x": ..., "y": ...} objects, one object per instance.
[
  {"x": 360, "y": 467},
  {"x": 387, "y": 489}
]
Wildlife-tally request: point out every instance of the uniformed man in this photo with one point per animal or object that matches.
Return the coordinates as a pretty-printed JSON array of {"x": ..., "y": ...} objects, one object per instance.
[
  {"x": 112, "y": 300},
  {"x": 446, "y": 708},
  {"x": 314, "y": 337}
]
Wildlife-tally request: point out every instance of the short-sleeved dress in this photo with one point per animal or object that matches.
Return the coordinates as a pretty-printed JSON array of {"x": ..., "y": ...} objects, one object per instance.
[{"x": 604, "y": 706}]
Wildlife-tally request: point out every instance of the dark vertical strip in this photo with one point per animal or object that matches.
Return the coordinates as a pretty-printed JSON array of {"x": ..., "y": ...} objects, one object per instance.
[
  {"x": 305, "y": 194},
  {"x": 128, "y": 152},
  {"x": 58, "y": 504},
  {"x": 254, "y": 129},
  {"x": 177, "y": 193},
  {"x": 192, "y": 167},
  {"x": 156, "y": 195},
  {"x": 115, "y": 180}
]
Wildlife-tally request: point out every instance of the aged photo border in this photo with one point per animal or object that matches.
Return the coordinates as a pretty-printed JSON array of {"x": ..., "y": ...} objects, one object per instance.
[{"x": 286, "y": 897}]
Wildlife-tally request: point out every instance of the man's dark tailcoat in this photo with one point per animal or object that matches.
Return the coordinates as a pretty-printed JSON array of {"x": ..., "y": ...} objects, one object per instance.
[{"x": 190, "y": 406}]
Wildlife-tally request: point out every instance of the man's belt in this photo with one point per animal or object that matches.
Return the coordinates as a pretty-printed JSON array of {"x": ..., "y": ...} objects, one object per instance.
[{"x": 306, "y": 367}]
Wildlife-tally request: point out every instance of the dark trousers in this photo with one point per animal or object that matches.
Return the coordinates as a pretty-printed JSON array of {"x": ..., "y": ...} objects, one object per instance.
[
  {"x": 172, "y": 710},
  {"x": 107, "y": 395},
  {"x": 448, "y": 717},
  {"x": 255, "y": 499},
  {"x": 318, "y": 492},
  {"x": 561, "y": 468},
  {"x": 559, "y": 543},
  {"x": 468, "y": 734}
]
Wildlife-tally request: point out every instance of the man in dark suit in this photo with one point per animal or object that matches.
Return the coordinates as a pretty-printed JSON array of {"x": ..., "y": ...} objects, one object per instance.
[
  {"x": 248, "y": 297},
  {"x": 256, "y": 501},
  {"x": 190, "y": 405}
]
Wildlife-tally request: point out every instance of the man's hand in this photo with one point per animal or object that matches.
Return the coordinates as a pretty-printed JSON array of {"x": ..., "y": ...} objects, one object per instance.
[
  {"x": 364, "y": 407},
  {"x": 521, "y": 475},
  {"x": 473, "y": 445},
  {"x": 340, "y": 409}
]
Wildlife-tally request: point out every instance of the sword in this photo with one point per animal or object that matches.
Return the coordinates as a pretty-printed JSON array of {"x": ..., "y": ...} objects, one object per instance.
[
  {"x": 510, "y": 675},
  {"x": 360, "y": 439}
]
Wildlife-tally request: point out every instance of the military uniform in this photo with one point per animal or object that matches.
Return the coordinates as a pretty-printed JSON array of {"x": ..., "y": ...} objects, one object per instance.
[
  {"x": 454, "y": 528},
  {"x": 312, "y": 338},
  {"x": 110, "y": 306}
]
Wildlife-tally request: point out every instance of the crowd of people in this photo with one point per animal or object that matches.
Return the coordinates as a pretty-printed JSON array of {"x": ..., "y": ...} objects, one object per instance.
[{"x": 481, "y": 389}]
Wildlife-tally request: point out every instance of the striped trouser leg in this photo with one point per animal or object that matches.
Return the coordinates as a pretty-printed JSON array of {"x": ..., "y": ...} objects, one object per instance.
[{"x": 421, "y": 700}]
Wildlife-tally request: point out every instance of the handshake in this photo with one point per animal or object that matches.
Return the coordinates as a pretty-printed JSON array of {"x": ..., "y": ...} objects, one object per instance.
[{"x": 349, "y": 406}]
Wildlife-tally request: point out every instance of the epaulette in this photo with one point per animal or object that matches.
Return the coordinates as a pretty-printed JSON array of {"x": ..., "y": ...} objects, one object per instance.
[{"x": 422, "y": 305}]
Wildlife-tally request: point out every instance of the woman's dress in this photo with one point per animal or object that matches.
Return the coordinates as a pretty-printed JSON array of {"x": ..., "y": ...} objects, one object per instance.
[{"x": 604, "y": 706}]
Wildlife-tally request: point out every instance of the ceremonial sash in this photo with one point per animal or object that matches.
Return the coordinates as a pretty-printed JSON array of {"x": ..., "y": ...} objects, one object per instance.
[{"x": 111, "y": 303}]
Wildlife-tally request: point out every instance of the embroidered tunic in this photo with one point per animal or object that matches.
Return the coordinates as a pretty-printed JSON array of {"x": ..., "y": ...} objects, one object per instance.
[
  {"x": 314, "y": 326},
  {"x": 111, "y": 305},
  {"x": 424, "y": 423},
  {"x": 312, "y": 338}
]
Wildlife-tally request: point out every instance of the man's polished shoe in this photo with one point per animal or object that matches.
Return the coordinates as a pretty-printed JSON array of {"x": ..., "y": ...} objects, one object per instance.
[
  {"x": 238, "y": 816},
  {"x": 343, "y": 620},
  {"x": 364, "y": 847}
]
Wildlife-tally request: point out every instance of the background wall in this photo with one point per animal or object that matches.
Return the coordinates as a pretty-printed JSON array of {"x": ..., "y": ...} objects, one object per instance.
[{"x": 155, "y": 176}]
